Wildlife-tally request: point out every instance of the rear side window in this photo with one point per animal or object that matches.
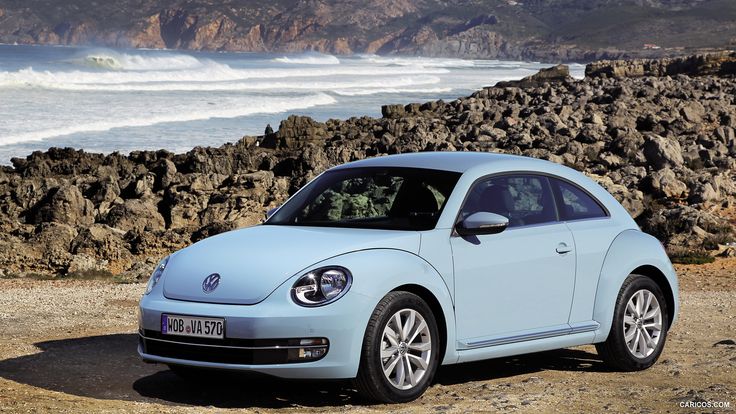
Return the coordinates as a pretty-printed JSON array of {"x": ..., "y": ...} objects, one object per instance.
[{"x": 576, "y": 204}]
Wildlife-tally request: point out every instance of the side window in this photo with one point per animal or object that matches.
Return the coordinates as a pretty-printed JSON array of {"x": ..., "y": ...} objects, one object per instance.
[
  {"x": 576, "y": 204},
  {"x": 523, "y": 199}
]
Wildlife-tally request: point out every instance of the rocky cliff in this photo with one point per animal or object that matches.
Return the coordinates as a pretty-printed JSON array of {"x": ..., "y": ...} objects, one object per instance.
[
  {"x": 665, "y": 146},
  {"x": 559, "y": 30}
]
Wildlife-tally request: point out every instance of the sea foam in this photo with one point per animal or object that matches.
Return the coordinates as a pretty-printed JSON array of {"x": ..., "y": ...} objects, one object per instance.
[
  {"x": 263, "y": 105},
  {"x": 309, "y": 59},
  {"x": 209, "y": 72}
]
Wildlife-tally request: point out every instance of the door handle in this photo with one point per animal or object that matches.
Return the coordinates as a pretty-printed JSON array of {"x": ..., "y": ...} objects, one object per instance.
[{"x": 563, "y": 248}]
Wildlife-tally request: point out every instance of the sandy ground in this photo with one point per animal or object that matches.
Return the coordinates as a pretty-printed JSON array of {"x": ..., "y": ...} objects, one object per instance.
[{"x": 69, "y": 346}]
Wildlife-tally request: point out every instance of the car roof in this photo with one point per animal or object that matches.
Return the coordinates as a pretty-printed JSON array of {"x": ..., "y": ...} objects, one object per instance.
[{"x": 457, "y": 161}]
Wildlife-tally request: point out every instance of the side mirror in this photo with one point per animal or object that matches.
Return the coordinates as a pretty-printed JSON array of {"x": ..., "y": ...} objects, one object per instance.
[
  {"x": 481, "y": 223},
  {"x": 270, "y": 212}
]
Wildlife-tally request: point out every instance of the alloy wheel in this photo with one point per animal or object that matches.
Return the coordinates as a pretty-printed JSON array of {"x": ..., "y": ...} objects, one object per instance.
[
  {"x": 406, "y": 349},
  {"x": 642, "y": 323}
]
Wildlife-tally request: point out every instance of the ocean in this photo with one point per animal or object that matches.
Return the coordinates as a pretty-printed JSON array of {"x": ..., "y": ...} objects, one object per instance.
[{"x": 105, "y": 100}]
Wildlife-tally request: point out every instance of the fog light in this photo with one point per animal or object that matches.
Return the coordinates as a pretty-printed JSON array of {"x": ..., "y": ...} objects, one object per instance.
[
  {"x": 312, "y": 353},
  {"x": 310, "y": 349}
]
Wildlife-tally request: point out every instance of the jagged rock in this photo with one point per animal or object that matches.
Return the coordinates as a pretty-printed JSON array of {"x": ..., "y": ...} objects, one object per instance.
[
  {"x": 166, "y": 174},
  {"x": 684, "y": 226},
  {"x": 64, "y": 205},
  {"x": 693, "y": 112},
  {"x": 84, "y": 264},
  {"x": 703, "y": 192},
  {"x": 101, "y": 241},
  {"x": 140, "y": 271},
  {"x": 212, "y": 229},
  {"x": 393, "y": 111},
  {"x": 54, "y": 241},
  {"x": 728, "y": 252},
  {"x": 559, "y": 73},
  {"x": 661, "y": 152},
  {"x": 135, "y": 214},
  {"x": 664, "y": 147},
  {"x": 665, "y": 184},
  {"x": 299, "y": 128},
  {"x": 720, "y": 63}
]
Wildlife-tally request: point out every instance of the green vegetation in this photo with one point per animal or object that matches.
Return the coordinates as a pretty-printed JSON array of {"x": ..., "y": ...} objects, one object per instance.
[
  {"x": 81, "y": 275},
  {"x": 695, "y": 257}
]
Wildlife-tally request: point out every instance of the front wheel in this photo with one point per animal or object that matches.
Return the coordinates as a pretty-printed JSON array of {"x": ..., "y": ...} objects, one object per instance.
[
  {"x": 639, "y": 327},
  {"x": 400, "y": 350}
]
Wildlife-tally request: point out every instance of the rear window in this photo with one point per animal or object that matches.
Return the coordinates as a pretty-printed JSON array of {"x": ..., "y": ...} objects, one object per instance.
[{"x": 575, "y": 203}]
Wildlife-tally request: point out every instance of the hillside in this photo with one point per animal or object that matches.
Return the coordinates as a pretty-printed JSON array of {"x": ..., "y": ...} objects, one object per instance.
[{"x": 546, "y": 30}]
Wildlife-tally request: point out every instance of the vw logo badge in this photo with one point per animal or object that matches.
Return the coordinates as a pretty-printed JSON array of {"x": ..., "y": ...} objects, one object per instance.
[{"x": 211, "y": 282}]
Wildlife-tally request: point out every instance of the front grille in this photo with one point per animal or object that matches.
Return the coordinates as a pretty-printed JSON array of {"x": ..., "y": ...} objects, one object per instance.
[{"x": 229, "y": 350}]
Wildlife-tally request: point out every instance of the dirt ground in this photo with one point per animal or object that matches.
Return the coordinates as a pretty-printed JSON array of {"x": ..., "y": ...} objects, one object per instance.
[{"x": 69, "y": 346}]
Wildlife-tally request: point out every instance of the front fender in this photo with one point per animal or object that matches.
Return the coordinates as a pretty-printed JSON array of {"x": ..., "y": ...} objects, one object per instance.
[
  {"x": 630, "y": 250},
  {"x": 376, "y": 272}
]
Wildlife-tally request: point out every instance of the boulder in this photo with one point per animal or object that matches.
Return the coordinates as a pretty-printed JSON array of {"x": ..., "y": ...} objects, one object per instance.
[
  {"x": 64, "y": 205},
  {"x": 101, "y": 241},
  {"x": 664, "y": 183},
  {"x": 554, "y": 74},
  {"x": 135, "y": 214},
  {"x": 661, "y": 152}
]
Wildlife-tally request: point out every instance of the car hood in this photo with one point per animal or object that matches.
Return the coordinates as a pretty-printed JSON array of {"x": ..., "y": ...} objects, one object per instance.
[{"x": 254, "y": 261}]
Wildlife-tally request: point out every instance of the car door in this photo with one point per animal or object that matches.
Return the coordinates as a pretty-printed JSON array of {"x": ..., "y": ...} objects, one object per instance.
[{"x": 517, "y": 284}]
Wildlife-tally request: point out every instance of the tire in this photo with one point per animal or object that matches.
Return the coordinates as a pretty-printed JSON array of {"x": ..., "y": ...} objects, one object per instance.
[
  {"x": 645, "y": 343},
  {"x": 420, "y": 347}
]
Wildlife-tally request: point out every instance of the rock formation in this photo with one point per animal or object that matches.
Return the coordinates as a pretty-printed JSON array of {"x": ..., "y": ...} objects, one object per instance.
[{"x": 665, "y": 146}]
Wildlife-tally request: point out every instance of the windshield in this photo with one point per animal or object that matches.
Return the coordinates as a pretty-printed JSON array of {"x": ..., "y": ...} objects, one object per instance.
[{"x": 372, "y": 198}]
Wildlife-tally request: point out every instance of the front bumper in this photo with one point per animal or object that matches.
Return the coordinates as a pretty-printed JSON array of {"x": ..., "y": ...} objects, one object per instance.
[{"x": 260, "y": 337}]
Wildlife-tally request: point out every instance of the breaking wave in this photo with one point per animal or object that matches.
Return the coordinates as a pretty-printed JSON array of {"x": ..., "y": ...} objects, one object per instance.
[
  {"x": 309, "y": 59},
  {"x": 375, "y": 91},
  {"x": 108, "y": 59},
  {"x": 208, "y": 72},
  {"x": 278, "y": 85},
  {"x": 262, "y": 105},
  {"x": 420, "y": 61}
]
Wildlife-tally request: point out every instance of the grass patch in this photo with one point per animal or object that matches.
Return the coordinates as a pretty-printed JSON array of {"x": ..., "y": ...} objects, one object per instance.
[
  {"x": 83, "y": 275},
  {"x": 693, "y": 258},
  {"x": 120, "y": 280},
  {"x": 91, "y": 274},
  {"x": 30, "y": 275}
]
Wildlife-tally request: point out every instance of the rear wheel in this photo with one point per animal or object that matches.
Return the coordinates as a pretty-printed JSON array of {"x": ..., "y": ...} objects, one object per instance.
[
  {"x": 400, "y": 351},
  {"x": 639, "y": 328}
]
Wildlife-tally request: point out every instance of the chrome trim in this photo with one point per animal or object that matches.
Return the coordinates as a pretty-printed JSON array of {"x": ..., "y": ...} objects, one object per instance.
[
  {"x": 235, "y": 347},
  {"x": 569, "y": 330},
  {"x": 584, "y": 327}
]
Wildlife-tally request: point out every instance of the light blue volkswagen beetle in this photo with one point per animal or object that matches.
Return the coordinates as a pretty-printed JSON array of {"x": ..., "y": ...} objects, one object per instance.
[{"x": 381, "y": 270}]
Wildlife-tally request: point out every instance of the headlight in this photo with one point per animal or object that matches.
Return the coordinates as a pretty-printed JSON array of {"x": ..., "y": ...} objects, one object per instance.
[
  {"x": 156, "y": 275},
  {"x": 321, "y": 286}
]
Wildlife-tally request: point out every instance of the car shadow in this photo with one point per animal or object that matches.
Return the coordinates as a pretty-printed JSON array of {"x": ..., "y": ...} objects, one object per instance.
[
  {"x": 108, "y": 367},
  {"x": 571, "y": 360}
]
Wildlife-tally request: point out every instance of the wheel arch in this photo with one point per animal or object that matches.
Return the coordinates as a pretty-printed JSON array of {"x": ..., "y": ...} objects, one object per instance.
[
  {"x": 633, "y": 252},
  {"x": 434, "y": 306},
  {"x": 377, "y": 272},
  {"x": 660, "y": 279}
]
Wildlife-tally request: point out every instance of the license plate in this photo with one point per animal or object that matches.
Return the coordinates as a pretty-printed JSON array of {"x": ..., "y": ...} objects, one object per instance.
[{"x": 192, "y": 326}]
